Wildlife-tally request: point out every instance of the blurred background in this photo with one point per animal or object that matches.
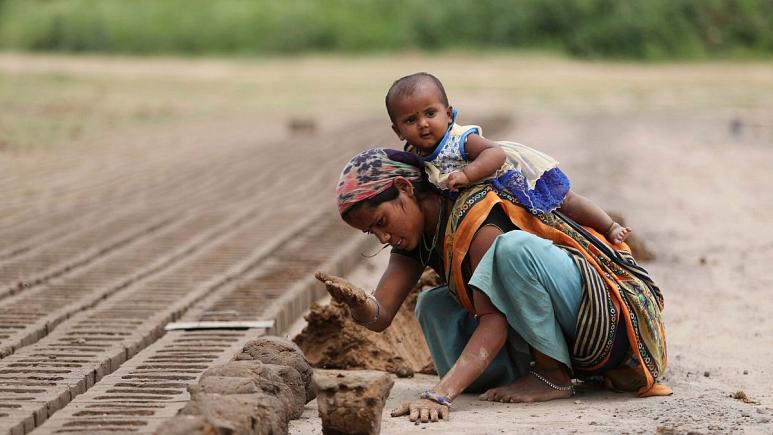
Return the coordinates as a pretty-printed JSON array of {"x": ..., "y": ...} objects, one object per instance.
[{"x": 91, "y": 64}]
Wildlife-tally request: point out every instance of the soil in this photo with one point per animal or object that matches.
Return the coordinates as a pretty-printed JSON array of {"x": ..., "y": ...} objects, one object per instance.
[
  {"x": 333, "y": 340},
  {"x": 352, "y": 402},
  {"x": 281, "y": 352}
]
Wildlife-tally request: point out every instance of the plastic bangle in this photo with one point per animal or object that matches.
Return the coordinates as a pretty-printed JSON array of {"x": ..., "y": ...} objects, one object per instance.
[
  {"x": 435, "y": 397},
  {"x": 375, "y": 316}
]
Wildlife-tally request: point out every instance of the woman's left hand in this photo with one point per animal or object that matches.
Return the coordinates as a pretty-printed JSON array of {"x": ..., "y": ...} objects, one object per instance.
[
  {"x": 342, "y": 290},
  {"x": 422, "y": 410}
]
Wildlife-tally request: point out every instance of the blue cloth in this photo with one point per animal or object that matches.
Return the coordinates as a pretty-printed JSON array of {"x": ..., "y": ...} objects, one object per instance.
[
  {"x": 548, "y": 193},
  {"x": 538, "y": 288}
]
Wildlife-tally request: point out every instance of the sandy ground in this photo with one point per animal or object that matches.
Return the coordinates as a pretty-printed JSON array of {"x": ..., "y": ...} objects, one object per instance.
[
  {"x": 680, "y": 150},
  {"x": 694, "y": 191}
]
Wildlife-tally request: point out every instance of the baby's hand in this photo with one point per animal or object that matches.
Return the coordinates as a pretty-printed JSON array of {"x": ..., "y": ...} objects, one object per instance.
[
  {"x": 456, "y": 180},
  {"x": 618, "y": 233},
  {"x": 342, "y": 290}
]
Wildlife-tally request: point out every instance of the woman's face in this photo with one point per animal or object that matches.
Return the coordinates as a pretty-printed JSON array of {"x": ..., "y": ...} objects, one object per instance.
[{"x": 399, "y": 222}]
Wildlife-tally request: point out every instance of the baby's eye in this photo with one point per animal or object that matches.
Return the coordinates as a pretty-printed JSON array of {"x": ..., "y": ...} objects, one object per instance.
[
  {"x": 431, "y": 113},
  {"x": 380, "y": 222},
  {"x": 410, "y": 120}
]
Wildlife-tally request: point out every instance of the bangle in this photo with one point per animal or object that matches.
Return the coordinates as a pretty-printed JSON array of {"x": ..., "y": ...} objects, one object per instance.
[
  {"x": 435, "y": 397},
  {"x": 375, "y": 317}
]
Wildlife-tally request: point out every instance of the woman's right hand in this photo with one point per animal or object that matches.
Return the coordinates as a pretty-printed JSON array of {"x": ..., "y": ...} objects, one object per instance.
[
  {"x": 422, "y": 410},
  {"x": 343, "y": 291}
]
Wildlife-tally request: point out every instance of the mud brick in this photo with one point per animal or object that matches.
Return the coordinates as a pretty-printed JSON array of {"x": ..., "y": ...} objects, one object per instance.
[
  {"x": 186, "y": 425},
  {"x": 351, "y": 402},
  {"x": 279, "y": 351},
  {"x": 241, "y": 377},
  {"x": 103, "y": 369},
  {"x": 18, "y": 422},
  {"x": 239, "y": 413},
  {"x": 59, "y": 402},
  {"x": 117, "y": 359}
]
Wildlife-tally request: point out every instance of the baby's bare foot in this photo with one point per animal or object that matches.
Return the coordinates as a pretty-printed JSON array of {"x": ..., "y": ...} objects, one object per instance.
[
  {"x": 529, "y": 388},
  {"x": 618, "y": 233}
]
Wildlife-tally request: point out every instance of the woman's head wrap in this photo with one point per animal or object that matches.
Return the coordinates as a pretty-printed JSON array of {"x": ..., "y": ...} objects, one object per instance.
[{"x": 373, "y": 171}]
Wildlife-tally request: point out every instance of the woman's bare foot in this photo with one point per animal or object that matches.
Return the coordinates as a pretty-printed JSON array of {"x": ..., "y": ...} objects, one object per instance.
[
  {"x": 618, "y": 233},
  {"x": 531, "y": 388}
]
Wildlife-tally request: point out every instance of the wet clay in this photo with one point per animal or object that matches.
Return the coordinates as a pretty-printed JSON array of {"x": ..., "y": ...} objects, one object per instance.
[
  {"x": 351, "y": 402},
  {"x": 187, "y": 425},
  {"x": 238, "y": 413},
  {"x": 333, "y": 340},
  {"x": 256, "y": 394},
  {"x": 275, "y": 350}
]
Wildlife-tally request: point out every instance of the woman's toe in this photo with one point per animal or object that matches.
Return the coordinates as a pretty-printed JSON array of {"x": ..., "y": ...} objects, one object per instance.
[{"x": 486, "y": 396}]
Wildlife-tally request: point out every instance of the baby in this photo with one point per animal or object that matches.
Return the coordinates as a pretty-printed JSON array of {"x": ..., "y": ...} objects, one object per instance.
[{"x": 456, "y": 156}]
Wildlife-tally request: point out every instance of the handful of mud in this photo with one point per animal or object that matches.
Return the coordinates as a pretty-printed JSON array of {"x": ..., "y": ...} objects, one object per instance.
[{"x": 333, "y": 340}]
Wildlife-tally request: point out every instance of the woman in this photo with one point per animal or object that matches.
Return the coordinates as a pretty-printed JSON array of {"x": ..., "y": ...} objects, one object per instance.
[{"x": 530, "y": 302}]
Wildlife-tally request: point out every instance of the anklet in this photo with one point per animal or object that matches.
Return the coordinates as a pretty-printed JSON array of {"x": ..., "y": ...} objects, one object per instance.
[
  {"x": 435, "y": 397},
  {"x": 550, "y": 384},
  {"x": 612, "y": 225}
]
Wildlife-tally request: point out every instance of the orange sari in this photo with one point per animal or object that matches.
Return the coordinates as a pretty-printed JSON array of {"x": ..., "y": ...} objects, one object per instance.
[{"x": 615, "y": 288}]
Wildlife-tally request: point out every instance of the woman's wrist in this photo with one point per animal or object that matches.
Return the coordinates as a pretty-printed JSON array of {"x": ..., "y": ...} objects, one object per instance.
[
  {"x": 369, "y": 320},
  {"x": 435, "y": 397}
]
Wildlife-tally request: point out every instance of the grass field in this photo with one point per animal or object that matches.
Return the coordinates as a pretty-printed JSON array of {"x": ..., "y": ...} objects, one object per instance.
[{"x": 50, "y": 101}]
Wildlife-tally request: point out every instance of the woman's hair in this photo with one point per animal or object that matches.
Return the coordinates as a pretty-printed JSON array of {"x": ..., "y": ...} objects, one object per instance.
[{"x": 422, "y": 187}]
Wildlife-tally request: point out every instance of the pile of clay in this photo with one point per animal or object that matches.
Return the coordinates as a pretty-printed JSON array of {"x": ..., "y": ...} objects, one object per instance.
[
  {"x": 267, "y": 385},
  {"x": 333, "y": 340}
]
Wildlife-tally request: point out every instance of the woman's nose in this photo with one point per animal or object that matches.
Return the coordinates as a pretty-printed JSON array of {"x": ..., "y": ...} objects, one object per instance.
[{"x": 382, "y": 236}]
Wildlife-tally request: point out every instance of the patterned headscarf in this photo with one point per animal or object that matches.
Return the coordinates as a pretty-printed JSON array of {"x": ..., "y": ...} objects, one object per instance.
[{"x": 373, "y": 171}]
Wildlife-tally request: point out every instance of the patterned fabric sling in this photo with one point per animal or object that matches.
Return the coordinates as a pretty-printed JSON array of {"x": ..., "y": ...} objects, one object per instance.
[{"x": 615, "y": 288}]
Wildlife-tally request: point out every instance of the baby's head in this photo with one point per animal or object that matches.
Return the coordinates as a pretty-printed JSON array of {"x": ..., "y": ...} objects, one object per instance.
[{"x": 418, "y": 107}]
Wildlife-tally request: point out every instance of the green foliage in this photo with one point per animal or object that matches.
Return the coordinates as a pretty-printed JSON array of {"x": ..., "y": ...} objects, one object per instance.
[{"x": 641, "y": 29}]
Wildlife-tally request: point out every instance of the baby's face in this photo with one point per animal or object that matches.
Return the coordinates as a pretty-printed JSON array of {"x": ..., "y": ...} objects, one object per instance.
[{"x": 421, "y": 118}]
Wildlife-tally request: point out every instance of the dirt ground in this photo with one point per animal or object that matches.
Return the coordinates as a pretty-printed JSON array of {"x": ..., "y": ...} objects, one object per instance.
[{"x": 680, "y": 150}]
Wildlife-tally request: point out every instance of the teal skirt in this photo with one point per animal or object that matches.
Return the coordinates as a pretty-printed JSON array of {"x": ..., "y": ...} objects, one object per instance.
[{"x": 538, "y": 288}]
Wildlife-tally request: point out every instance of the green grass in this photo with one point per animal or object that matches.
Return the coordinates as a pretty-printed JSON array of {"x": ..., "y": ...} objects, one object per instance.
[{"x": 621, "y": 29}]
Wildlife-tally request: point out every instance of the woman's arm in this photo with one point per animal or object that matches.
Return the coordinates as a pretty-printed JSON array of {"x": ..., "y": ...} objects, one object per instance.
[
  {"x": 490, "y": 334},
  {"x": 485, "y": 343},
  {"x": 376, "y": 313},
  {"x": 399, "y": 278}
]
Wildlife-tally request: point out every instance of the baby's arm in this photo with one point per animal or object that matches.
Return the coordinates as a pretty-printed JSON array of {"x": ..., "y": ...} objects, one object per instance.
[
  {"x": 585, "y": 212},
  {"x": 485, "y": 157}
]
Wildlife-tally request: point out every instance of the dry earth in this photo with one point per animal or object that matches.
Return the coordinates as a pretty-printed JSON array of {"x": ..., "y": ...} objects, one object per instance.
[{"x": 680, "y": 150}]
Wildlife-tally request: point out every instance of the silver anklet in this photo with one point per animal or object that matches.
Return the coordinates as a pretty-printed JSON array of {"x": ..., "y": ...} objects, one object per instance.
[{"x": 550, "y": 384}]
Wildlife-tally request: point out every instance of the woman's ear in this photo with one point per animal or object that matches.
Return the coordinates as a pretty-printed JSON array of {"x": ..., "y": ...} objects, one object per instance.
[{"x": 404, "y": 186}]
